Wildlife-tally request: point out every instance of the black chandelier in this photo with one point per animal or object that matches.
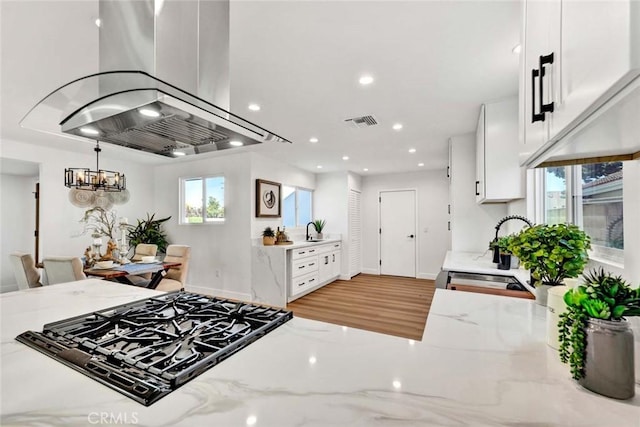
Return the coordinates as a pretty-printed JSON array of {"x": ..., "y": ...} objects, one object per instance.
[{"x": 86, "y": 179}]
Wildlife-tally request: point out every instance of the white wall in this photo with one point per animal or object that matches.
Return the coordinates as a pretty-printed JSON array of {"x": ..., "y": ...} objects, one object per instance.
[
  {"x": 472, "y": 224},
  {"x": 432, "y": 199},
  {"x": 17, "y": 223},
  {"x": 59, "y": 219}
]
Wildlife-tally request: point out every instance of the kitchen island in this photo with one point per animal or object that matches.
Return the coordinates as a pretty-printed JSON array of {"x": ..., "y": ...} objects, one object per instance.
[{"x": 483, "y": 361}]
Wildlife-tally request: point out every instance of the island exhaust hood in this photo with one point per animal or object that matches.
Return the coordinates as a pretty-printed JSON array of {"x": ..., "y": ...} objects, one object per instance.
[{"x": 143, "y": 46}]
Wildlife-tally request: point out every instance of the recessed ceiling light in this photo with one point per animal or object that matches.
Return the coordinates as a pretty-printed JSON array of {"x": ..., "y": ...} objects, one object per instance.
[
  {"x": 517, "y": 49},
  {"x": 254, "y": 107},
  {"x": 366, "y": 169},
  {"x": 397, "y": 126},
  {"x": 251, "y": 420},
  {"x": 179, "y": 153},
  {"x": 397, "y": 385},
  {"x": 345, "y": 157},
  {"x": 149, "y": 112},
  {"x": 89, "y": 131},
  {"x": 313, "y": 139},
  {"x": 421, "y": 164},
  {"x": 236, "y": 143},
  {"x": 319, "y": 166},
  {"x": 366, "y": 80},
  {"x": 412, "y": 150},
  {"x": 98, "y": 22},
  {"x": 312, "y": 360}
]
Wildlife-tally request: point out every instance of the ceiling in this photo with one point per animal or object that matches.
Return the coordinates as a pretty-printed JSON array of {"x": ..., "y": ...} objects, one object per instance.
[{"x": 434, "y": 63}]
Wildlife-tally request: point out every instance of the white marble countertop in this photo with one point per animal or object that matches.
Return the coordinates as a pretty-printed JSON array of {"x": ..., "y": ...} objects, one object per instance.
[
  {"x": 472, "y": 262},
  {"x": 301, "y": 244},
  {"x": 483, "y": 361}
]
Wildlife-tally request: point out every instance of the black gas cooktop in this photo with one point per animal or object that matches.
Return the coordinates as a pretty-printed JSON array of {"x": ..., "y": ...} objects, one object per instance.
[{"x": 148, "y": 348}]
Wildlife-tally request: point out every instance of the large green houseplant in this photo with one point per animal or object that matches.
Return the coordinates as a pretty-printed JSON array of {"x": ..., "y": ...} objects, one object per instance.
[
  {"x": 150, "y": 231},
  {"x": 594, "y": 337},
  {"x": 552, "y": 252}
]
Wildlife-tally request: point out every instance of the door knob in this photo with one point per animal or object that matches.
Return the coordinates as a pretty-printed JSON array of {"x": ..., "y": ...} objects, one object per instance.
[{"x": 410, "y": 235}]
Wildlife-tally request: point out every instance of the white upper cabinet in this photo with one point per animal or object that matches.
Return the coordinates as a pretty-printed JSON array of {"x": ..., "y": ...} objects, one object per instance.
[
  {"x": 581, "y": 54},
  {"x": 499, "y": 177}
]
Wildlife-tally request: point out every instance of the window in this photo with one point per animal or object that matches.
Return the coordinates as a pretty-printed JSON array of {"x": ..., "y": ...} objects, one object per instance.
[
  {"x": 596, "y": 191},
  {"x": 297, "y": 206},
  {"x": 202, "y": 200}
]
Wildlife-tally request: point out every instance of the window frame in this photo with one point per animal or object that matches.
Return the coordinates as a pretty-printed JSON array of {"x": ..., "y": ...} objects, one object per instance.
[
  {"x": 182, "y": 201},
  {"x": 573, "y": 179},
  {"x": 297, "y": 205}
]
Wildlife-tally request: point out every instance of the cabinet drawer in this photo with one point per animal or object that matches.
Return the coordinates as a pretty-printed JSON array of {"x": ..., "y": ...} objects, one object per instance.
[
  {"x": 303, "y": 252},
  {"x": 304, "y": 266},
  {"x": 328, "y": 247},
  {"x": 302, "y": 283}
]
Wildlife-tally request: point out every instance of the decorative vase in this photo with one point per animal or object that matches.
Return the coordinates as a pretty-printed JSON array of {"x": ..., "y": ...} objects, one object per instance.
[
  {"x": 541, "y": 293},
  {"x": 609, "y": 365},
  {"x": 268, "y": 241},
  {"x": 555, "y": 307}
]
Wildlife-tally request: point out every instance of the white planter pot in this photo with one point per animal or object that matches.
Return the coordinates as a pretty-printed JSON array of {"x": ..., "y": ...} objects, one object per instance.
[{"x": 541, "y": 294}]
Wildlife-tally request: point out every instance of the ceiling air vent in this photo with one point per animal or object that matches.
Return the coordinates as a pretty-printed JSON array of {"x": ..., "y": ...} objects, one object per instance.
[{"x": 361, "y": 122}]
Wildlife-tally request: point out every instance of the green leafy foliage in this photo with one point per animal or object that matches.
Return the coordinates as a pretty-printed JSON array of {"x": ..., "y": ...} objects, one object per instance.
[
  {"x": 149, "y": 231},
  {"x": 503, "y": 243},
  {"x": 603, "y": 296},
  {"x": 268, "y": 232},
  {"x": 552, "y": 251},
  {"x": 319, "y": 224}
]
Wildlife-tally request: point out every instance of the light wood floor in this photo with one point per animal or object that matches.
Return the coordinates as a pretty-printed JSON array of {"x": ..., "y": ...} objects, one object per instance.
[{"x": 386, "y": 304}]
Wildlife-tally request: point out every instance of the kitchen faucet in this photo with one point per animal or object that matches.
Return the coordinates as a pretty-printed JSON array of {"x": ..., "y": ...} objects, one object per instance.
[{"x": 308, "y": 235}]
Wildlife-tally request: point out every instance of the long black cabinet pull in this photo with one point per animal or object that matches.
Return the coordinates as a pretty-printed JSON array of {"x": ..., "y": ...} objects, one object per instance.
[
  {"x": 535, "y": 117},
  {"x": 477, "y": 192},
  {"x": 545, "y": 108}
]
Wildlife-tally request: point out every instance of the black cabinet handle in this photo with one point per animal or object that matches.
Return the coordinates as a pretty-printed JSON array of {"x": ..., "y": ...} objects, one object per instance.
[
  {"x": 545, "y": 108},
  {"x": 410, "y": 236},
  {"x": 477, "y": 192},
  {"x": 448, "y": 175},
  {"x": 535, "y": 117}
]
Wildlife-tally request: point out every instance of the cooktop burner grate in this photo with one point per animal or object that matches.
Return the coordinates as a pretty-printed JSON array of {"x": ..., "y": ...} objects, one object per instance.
[{"x": 148, "y": 348}]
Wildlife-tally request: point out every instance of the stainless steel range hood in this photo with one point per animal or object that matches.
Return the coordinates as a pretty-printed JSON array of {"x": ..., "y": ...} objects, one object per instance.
[{"x": 173, "y": 97}]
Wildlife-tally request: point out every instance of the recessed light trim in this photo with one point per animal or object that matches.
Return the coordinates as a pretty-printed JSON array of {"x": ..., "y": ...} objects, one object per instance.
[
  {"x": 254, "y": 107},
  {"x": 397, "y": 126},
  {"x": 236, "y": 143},
  {"x": 149, "y": 112},
  {"x": 89, "y": 131},
  {"x": 366, "y": 169},
  {"x": 366, "y": 79},
  {"x": 345, "y": 157},
  {"x": 412, "y": 150},
  {"x": 313, "y": 139},
  {"x": 420, "y": 164},
  {"x": 319, "y": 166}
]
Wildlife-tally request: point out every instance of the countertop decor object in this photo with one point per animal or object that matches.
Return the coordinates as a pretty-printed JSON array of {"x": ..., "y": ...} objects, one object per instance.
[
  {"x": 496, "y": 253},
  {"x": 319, "y": 224},
  {"x": 552, "y": 252},
  {"x": 595, "y": 338},
  {"x": 480, "y": 361},
  {"x": 268, "y": 237}
]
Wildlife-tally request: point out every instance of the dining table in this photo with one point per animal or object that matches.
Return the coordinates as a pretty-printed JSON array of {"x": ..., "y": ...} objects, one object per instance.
[{"x": 121, "y": 272}]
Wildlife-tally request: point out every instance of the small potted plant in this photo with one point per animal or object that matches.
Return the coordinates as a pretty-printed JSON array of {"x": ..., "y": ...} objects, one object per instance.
[
  {"x": 506, "y": 258},
  {"x": 268, "y": 236},
  {"x": 319, "y": 224},
  {"x": 552, "y": 252},
  {"x": 595, "y": 338}
]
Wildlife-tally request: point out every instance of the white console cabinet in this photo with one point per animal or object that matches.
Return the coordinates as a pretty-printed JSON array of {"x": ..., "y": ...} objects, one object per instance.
[{"x": 312, "y": 267}]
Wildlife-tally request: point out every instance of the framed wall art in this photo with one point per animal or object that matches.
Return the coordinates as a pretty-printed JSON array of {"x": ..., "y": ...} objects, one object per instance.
[{"x": 267, "y": 199}]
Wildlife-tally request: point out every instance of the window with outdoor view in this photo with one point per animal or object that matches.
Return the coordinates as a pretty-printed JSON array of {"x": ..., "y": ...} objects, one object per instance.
[
  {"x": 202, "y": 200},
  {"x": 589, "y": 196},
  {"x": 297, "y": 205}
]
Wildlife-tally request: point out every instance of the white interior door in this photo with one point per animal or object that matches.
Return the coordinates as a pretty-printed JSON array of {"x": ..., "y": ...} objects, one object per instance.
[
  {"x": 398, "y": 233},
  {"x": 355, "y": 233}
]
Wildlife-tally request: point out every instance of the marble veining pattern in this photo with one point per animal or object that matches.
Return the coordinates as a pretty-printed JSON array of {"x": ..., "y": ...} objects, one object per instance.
[{"x": 483, "y": 361}]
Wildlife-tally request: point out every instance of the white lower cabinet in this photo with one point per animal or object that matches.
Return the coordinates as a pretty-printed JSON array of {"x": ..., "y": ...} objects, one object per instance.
[{"x": 312, "y": 267}]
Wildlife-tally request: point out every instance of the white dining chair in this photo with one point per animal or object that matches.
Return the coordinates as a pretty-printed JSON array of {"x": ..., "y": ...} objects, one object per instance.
[
  {"x": 63, "y": 269},
  {"x": 25, "y": 270}
]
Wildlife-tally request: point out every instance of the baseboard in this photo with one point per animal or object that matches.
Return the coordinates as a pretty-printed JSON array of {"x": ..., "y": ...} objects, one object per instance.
[
  {"x": 371, "y": 271},
  {"x": 221, "y": 293},
  {"x": 429, "y": 276},
  {"x": 344, "y": 277}
]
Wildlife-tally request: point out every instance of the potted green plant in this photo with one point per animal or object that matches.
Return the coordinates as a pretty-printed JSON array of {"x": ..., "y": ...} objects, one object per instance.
[
  {"x": 319, "y": 224},
  {"x": 595, "y": 338},
  {"x": 149, "y": 231},
  {"x": 506, "y": 258},
  {"x": 552, "y": 252},
  {"x": 268, "y": 236}
]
